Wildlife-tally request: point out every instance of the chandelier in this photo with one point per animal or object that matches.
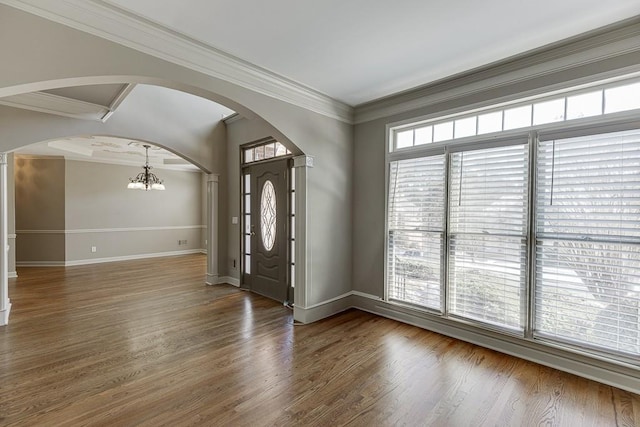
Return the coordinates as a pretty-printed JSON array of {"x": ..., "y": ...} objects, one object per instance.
[{"x": 146, "y": 180}]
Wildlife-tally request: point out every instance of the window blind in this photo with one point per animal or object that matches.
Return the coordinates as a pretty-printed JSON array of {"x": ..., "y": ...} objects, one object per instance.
[
  {"x": 587, "y": 286},
  {"x": 488, "y": 197},
  {"x": 416, "y": 227}
]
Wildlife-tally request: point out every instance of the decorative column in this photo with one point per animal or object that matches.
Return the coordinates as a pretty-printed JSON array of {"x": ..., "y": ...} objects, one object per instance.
[
  {"x": 5, "y": 304},
  {"x": 303, "y": 255},
  {"x": 212, "y": 229}
]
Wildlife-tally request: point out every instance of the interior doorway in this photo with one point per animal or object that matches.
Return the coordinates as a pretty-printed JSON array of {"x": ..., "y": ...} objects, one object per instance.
[{"x": 267, "y": 243}]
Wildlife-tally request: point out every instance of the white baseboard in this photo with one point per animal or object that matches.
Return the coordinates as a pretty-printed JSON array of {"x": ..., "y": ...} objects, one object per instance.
[
  {"x": 320, "y": 311},
  {"x": 39, "y": 263},
  {"x": 13, "y": 275},
  {"x": 130, "y": 257},
  {"x": 328, "y": 308},
  {"x": 229, "y": 280},
  {"x": 103, "y": 260},
  {"x": 4, "y": 315}
]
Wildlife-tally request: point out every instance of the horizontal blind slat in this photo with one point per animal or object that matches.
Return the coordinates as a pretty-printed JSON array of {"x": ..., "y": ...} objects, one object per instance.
[
  {"x": 588, "y": 241},
  {"x": 416, "y": 226},
  {"x": 488, "y": 216}
]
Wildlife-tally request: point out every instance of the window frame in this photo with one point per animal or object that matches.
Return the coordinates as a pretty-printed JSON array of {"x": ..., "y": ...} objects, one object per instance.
[
  {"x": 492, "y": 107},
  {"x": 605, "y": 123}
]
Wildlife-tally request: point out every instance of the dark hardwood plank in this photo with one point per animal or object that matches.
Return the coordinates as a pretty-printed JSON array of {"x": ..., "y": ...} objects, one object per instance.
[{"x": 147, "y": 343}]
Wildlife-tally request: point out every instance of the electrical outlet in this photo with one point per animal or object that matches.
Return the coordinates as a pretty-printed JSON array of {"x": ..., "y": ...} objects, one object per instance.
[
  {"x": 94, "y": 249},
  {"x": 182, "y": 242}
]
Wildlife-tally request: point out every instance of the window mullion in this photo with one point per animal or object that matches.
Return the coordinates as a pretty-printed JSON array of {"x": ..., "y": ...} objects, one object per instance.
[
  {"x": 529, "y": 309},
  {"x": 444, "y": 303}
]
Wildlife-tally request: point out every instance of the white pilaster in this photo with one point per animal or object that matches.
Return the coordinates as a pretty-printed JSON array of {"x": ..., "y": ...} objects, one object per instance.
[
  {"x": 303, "y": 253},
  {"x": 5, "y": 303},
  {"x": 212, "y": 229}
]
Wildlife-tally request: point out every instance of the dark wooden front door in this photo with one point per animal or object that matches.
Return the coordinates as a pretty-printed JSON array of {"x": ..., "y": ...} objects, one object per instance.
[{"x": 269, "y": 229}]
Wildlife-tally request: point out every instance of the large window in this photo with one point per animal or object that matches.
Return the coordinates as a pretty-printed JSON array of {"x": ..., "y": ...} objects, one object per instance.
[
  {"x": 536, "y": 234},
  {"x": 588, "y": 240},
  {"x": 416, "y": 230},
  {"x": 487, "y": 234}
]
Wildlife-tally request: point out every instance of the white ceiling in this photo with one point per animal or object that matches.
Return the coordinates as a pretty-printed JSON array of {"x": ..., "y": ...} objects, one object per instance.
[{"x": 360, "y": 50}]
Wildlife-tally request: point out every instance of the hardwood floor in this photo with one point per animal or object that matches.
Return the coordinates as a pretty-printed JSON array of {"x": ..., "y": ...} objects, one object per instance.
[{"x": 147, "y": 343}]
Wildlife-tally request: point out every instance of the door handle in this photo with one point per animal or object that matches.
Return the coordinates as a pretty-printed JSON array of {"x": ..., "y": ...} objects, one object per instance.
[{"x": 253, "y": 233}]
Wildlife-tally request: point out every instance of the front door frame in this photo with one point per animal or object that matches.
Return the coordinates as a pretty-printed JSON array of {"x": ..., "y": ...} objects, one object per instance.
[
  {"x": 281, "y": 165},
  {"x": 244, "y": 283}
]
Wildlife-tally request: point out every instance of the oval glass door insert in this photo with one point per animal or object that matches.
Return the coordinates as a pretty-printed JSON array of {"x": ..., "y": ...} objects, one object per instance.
[{"x": 268, "y": 215}]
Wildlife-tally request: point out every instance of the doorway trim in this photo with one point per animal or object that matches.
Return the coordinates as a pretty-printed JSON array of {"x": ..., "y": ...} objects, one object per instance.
[
  {"x": 254, "y": 154},
  {"x": 212, "y": 229},
  {"x": 5, "y": 303},
  {"x": 301, "y": 164}
]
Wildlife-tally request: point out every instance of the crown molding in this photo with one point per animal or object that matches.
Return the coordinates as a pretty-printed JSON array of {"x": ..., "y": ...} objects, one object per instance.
[
  {"x": 607, "y": 43},
  {"x": 58, "y": 105},
  {"x": 107, "y": 21},
  {"x": 232, "y": 118}
]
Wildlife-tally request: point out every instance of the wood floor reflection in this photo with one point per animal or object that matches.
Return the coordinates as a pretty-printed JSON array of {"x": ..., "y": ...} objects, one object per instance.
[{"x": 147, "y": 343}]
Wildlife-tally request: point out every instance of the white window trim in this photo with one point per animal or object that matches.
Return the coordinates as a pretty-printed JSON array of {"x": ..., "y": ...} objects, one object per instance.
[
  {"x": 604, "y": 124},
  {"x": 431, "y": 120}
]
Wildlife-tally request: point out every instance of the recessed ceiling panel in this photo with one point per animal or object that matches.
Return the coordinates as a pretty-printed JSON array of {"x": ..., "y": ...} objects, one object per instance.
[
  {"x": 96, "y": 94},
  {"x": 108, "y": 150}
]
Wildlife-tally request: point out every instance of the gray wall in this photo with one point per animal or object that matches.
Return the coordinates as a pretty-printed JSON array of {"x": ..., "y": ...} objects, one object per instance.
[
  {"x": 40, "y": 209},
  {"x": 239, "y": 131},
  {"x": 94, "y": 208},
  {"x": 56, "y": 56},
  {"x": 565, "y": 64},
  {"x": 97, "y": 198},
  {"x": 328, "y": 212}
]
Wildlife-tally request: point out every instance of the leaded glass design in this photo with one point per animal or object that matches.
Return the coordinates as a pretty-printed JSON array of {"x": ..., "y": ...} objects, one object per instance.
[{"x": 268, "y": 215}]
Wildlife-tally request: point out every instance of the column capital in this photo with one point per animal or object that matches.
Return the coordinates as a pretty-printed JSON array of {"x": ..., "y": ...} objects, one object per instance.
[
  {"x": 3, "y": 158},
  {"x": 303, "y": 161},
  {"x": 213, "y": 177}
]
